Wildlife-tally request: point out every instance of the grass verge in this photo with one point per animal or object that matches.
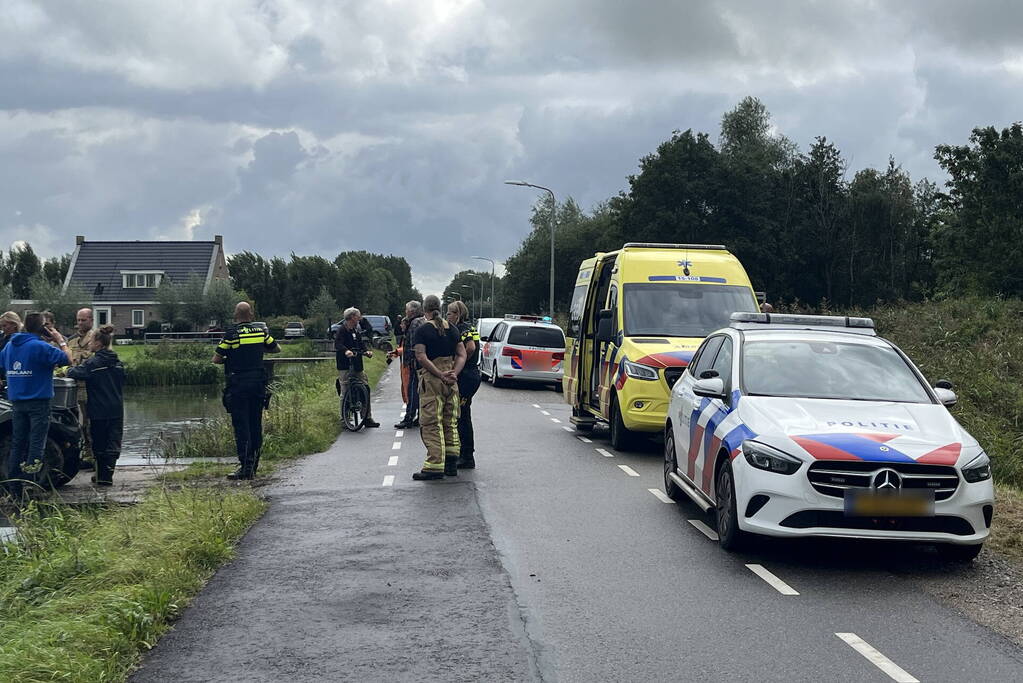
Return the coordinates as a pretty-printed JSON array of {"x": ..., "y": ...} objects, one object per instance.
[{"x": 85, "y": 591}]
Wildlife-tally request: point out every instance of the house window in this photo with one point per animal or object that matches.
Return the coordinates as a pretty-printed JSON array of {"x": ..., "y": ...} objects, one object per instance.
[
  {"x": 138, "y": 317},
  {"x": 141, "y": 280}
]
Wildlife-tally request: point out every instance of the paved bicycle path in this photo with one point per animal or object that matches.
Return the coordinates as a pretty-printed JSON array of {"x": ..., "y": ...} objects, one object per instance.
[{"x": 347, "y": 579}]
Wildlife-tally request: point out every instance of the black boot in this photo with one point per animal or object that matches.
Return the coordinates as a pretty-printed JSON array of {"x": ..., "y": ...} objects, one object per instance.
[
  {"x": 241, "y": 473},
  {"x": 451, "y": 465},
  {"x": 104, "y": 472},
  {"x": 427, "y": 476},
  {"x": 466, "y": 462}
]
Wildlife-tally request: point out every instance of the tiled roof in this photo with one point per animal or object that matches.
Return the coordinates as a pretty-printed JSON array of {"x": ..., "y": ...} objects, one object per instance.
[{"x": 101, "y": 263}]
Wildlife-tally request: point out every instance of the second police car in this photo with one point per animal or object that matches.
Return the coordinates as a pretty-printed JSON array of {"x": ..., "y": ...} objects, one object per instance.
[
  {"x": 815, "y": 426},
  {"x": 525, "y": 348}
]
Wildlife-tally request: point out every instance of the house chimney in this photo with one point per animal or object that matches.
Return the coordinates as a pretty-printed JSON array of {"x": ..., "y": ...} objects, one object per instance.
[
  {"x": 79, "y": 239},
  {"x": 219, "y": 239}
]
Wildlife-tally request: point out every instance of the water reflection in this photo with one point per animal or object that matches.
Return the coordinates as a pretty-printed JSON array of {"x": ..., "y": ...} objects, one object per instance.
[{"x": 150, "y": 410}]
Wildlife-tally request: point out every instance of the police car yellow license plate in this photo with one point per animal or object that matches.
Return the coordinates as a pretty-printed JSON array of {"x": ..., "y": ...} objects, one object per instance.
[{"x": 902, "y": 504}]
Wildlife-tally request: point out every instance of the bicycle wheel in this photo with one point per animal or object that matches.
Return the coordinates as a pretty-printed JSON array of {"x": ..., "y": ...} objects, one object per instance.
[{"x": 353, "y": 407}]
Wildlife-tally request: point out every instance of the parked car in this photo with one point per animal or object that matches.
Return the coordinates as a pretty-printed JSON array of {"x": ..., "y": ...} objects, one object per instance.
[
  {"x": 795, "y": 425},
  {"x": 294, "y": 330},
  {"x": 61, "y": 457},
  {"x": 380, "y": 324},
  {"x": 486, "y": 326}
]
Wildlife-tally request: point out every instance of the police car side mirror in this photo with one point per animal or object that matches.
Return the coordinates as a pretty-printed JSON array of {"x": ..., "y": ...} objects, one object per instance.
[
  {"x": 943, "y": 384},
  {"x": 711, "y": 387},
  {"x": 947, "y": 397}
]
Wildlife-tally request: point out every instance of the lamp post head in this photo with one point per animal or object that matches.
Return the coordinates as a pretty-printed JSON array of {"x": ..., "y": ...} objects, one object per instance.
[{"x": 522, "y": 183}]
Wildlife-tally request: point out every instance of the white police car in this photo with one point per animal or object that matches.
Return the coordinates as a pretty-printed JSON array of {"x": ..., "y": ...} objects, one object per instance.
[
  {"x": 815, "y": 426},
  {"x": 526, "y": 348}
]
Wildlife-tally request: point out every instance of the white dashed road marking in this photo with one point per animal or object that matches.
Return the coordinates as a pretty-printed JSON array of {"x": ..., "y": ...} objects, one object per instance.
[
  {"x": 536, "y": 405},
  {"x": 661, "y": 495},
  {"x": 567, "y": 428},
  {"x": 583, "y": 439},
  {"x": 389, "y": 480},
  {"x": 396, "y": 446},
  {"x": 628, "y": 470},
  {"x": 772, "y": 580},
  {"x": 554, "y": 419},
  {"x": 544, "y": 412},
  {"x": 704, "y": 529},
  {"x": 894, "y": 671},
  {"x": 398, "y": 434},
  {"x": 392, "y": 461},
  {"x": 601, "y": 451}
]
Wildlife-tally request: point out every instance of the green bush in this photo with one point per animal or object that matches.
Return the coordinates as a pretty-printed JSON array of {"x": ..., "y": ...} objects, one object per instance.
[{"x": 153, "y": 372}]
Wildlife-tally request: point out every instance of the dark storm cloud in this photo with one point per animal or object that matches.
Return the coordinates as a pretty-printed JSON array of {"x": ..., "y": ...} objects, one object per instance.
[{"x": 313, "y": 126}]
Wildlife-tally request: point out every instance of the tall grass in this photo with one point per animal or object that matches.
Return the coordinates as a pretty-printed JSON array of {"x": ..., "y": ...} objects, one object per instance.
[{"x": 85, "y": 591}]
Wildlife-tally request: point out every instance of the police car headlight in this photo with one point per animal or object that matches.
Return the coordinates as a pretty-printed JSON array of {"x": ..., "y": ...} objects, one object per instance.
[
  {"x": 770, "y": 459},
  {"x": 978, "y": 469},
  {"x": 637, "y": 371}
]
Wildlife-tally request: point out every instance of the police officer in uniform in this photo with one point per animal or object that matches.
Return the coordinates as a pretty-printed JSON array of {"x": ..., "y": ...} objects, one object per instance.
[
  {"x": 468, "y": 382},
  {"x": 441, "y": 357},
  {"x": 241, "y": 353},
  {"x": 81, "y": 351}
]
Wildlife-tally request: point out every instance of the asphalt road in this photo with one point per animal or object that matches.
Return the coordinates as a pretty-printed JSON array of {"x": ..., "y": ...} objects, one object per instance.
[{"x": 557, "y": 559}]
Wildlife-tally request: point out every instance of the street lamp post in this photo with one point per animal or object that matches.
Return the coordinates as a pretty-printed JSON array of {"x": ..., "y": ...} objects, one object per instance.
[
  {"x": 492, "y": 268},
  {"x": 471, "y": 288},
  {"x": 554, "y": 208}
]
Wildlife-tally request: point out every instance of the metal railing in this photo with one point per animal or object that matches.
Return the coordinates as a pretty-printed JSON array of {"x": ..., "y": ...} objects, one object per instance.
[{"x": 185, "y": 337}]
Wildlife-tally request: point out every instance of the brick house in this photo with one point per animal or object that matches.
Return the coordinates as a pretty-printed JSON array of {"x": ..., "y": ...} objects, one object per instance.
[{"x": 121, "y": 277}]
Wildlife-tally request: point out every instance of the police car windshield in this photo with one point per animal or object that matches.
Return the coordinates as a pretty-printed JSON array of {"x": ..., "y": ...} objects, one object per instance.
[
  {"x": 828, "y": 369},
  {"x": 682, "y": 309},
  {"x": 540, "y": 336}
]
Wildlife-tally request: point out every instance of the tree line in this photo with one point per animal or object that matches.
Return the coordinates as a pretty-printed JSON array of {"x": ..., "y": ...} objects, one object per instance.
[
  {"x": 314, "y": 288},
  {"x": 804, "y": 229}
]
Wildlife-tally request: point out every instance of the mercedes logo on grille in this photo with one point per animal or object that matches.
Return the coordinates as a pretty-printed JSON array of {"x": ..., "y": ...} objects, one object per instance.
[{"x": 886, "y": 480}]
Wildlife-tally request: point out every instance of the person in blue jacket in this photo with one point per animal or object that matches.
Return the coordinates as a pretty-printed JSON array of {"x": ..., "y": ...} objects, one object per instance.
[
  {"x": 103, "y": 375},
  {"x": 29, "y": 362}
]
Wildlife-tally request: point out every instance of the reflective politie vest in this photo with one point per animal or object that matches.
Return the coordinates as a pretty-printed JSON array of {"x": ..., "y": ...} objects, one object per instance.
[{"x": 242, "y": 348}]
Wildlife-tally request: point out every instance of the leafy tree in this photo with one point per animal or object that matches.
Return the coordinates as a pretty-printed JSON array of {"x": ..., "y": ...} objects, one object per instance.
[
  {"x": 64, "y": 304},
  {"x": 55, "y": 269},
  {"x": 194, "y": 307},
  {"x": 220, "y": 300},
  {"x": 24, "y": 265},
  {"x": 5, "y": 297},
  {"x": 982, "y": 245},
  {"x": 168, "y": 300},
  {"x": 323, "y": 310}
]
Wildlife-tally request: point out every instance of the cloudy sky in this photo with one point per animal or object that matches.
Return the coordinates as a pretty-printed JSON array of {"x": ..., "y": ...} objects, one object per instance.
[{"x": 316, "y": 126}]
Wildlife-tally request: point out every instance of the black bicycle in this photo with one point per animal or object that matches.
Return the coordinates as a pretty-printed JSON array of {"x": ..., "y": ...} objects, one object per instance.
[{"x": 354, "y": 403}]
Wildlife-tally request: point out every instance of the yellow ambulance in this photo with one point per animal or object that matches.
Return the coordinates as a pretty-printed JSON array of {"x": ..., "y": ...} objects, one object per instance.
[{"x": 637, "y": 316}]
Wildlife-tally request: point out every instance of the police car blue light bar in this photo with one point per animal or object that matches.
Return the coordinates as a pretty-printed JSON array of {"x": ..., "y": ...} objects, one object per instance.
[{"x": 802, "y": 320}]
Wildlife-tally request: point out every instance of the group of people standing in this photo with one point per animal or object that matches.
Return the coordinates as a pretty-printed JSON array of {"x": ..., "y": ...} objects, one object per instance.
[
  {"x": 30, "y": 354},
  {"x": 441, "y": 362}
]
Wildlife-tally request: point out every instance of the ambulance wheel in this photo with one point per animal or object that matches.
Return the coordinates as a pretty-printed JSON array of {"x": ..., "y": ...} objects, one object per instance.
[
  {"x": 621, "y": 437},
  {"x": 959, "y": 553},
  {"x": 670, "y": 467},
  {"x": 730, "y": 536}
]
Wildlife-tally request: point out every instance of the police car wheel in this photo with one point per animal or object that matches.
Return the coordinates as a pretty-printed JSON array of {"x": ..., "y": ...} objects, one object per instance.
[
  {"x": 959, "y": 553},
  {"x": 670, "y": 466},
  {"x": 497, "y": 382},
  {"x": 730, "y": 536}
]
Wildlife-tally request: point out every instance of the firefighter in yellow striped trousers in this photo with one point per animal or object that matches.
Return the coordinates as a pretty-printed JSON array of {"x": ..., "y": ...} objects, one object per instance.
[{"x": 441, "y": 357}]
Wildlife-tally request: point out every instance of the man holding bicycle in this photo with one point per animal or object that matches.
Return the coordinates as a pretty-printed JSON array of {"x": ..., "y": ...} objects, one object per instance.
[{"x": 349, "y": 348}]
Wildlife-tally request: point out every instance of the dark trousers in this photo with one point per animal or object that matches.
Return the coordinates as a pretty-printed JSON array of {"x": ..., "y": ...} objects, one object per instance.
[
  {"x": 30, "y": 424},
  {"x": 106, "y": 445},
  {"x": 468, "y": 385},
  {"x": 412, "y": 407},
  {"x": 247, "y": 420}
]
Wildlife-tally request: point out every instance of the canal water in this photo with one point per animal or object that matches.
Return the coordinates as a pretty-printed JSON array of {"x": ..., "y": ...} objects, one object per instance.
[{"x": 149, "y": 411}]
